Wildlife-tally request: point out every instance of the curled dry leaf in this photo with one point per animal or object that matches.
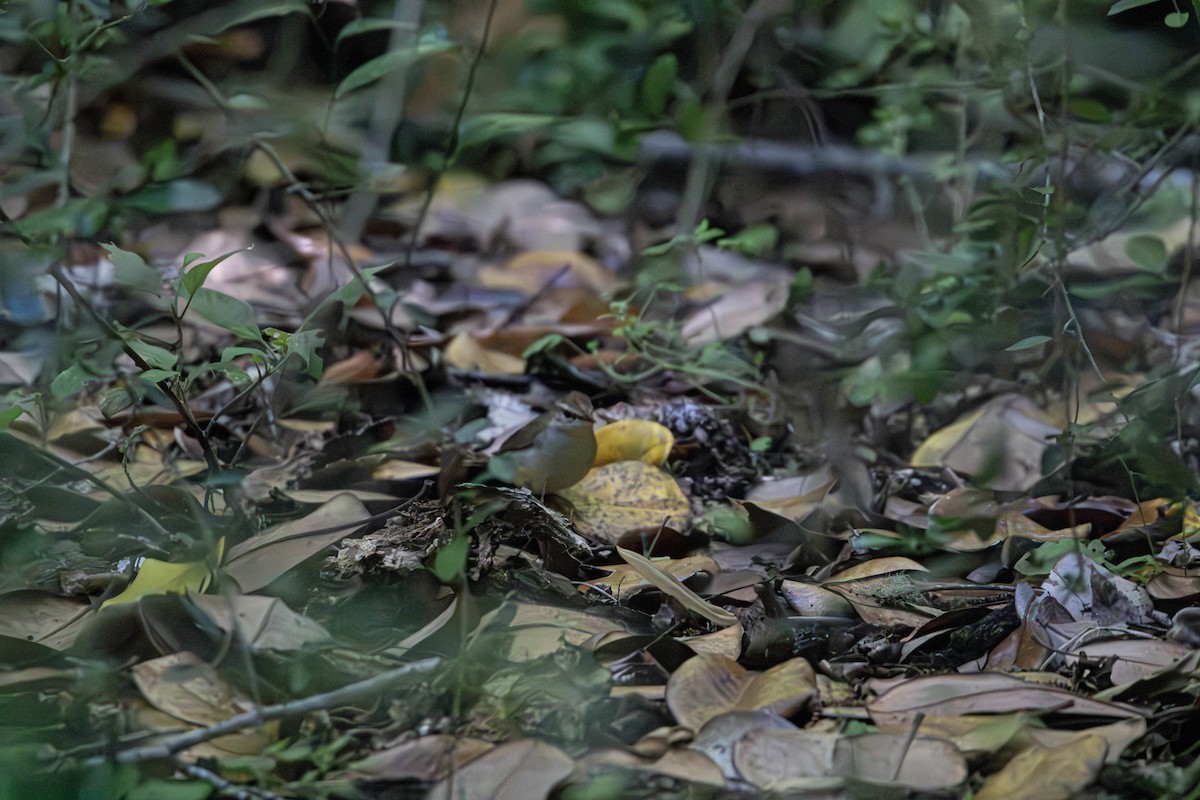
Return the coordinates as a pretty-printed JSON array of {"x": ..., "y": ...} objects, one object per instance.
[
  {"x": 615, "y": 498},
  {"x": 709, "y": 685},
  {"x": 633, "y": 440}
]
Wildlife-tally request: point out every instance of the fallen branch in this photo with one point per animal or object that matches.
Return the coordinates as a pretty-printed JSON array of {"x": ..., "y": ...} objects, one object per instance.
[{"x": 170, "y": 745}]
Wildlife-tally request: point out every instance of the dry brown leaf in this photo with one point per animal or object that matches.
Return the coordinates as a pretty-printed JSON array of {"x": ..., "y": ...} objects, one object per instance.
[
  {"x": 877, "y": 566},
  {"x": 769, "y": 757},
  {"x": 1039, "y": 773},
  {"x": 983, "y": 693},
  {"x": 628, "y": 495},
  {"x": 188, "y": 689},
  {"x": 681, "y": 764},
  {"x": 524, "y": 769},
  {"x": 466, "y": 353},
  {"x": 736, "y": 312},
  {"x": 262, "y": 623},
  {"x": 261, "y": 559},
  {"x": 725, "y": 642},
  {"x": 708, "y": 685},
  {"x": 927, "y": 765},
  {"x": 427, "y": 758},
  {"x": 1002, "y": 441},
  {"x": 42, "y": 617},
  {"x": 633, "y": 440}
]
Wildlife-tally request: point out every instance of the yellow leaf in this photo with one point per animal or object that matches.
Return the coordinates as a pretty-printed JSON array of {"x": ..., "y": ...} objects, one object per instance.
[
  {"x": 625, "y": 496},
  {"x": 633, "y": 440},
  {"x": 162, "y": 577}
]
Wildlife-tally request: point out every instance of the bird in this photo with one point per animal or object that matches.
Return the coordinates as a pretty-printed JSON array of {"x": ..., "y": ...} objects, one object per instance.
[{"x": 550, "y": 452}]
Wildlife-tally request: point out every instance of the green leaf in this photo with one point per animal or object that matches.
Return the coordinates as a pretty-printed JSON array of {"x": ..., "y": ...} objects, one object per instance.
[
  {"x": 156, "y": 375},
  {"x": 450, "y": 560},
  {"x": 262, "y": 12},
  {"x": 1148, "y": 252},
  {"x": 10, "y": 415},
  {"x": 390, "y": 61},
  {"x": 487, "y": 128},
  {"x": 232, "y": 314},
  {"x": 152, "y": 354},
  {"x": 1126, "y": 5},
  {"x": 194, "y": 278},
  {"x": 69, "y": 382},
  {"x": 185, "y": 194},
  {"x": 361, "y": 26},
  {"x": 1028, "y": 342},
  {"x": 659, "y": 83},
  {"x": 1176, "y": 19},
  {"x": 132, "y": 271}
]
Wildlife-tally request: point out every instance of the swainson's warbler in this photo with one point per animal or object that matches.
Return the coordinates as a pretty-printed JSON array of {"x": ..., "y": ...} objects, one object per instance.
[{"x": 552, "y": 451}]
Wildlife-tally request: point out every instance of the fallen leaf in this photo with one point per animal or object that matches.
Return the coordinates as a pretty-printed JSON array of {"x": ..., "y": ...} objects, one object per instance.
[
  {"x": 159, "y": 577},
  {"x": 261, "y": 559},
  {"x": 1001, "y": 443},
  {"x": 624, "y": 580},
  {"x": 188, "y": 689},
  {"x": 524, "y": 769},
  {"x": 1039, "y": 773},
  {"x": 709, "y": 685},
  {"x": 633, "y": 440},
  {"x": 616, "y": 498},
  {"x": 736, "y": 312},
  {"x": 673, "y": 588}
]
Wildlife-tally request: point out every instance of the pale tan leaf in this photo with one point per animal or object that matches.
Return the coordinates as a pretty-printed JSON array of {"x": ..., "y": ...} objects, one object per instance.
[
  {"x": 623, "y": 580},
  {"x": 736, "y": 312},
  {"x": 524, "y": 769},
  {"x": 926, "y": 765},
  {"x": 983, "y": 693},
  {"x": 673, "y": 588}
]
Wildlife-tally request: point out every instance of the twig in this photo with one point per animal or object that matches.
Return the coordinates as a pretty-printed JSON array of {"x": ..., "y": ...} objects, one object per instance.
[
  {"x": 224, "y": 787},
  {"x": 170, "y": 745},
  {"x": 451, "y": 148}
]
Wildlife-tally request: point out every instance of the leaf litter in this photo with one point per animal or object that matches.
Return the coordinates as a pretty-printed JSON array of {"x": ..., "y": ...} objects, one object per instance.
[{"x": 267, "y": 537}]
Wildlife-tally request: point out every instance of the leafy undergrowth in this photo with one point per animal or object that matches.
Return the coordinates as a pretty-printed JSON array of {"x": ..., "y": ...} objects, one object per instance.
[{"x": 503, "y": 497}]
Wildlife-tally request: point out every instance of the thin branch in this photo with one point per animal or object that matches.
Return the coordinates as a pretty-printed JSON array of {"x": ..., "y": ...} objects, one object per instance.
[{"x": 170, "y": 745}]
